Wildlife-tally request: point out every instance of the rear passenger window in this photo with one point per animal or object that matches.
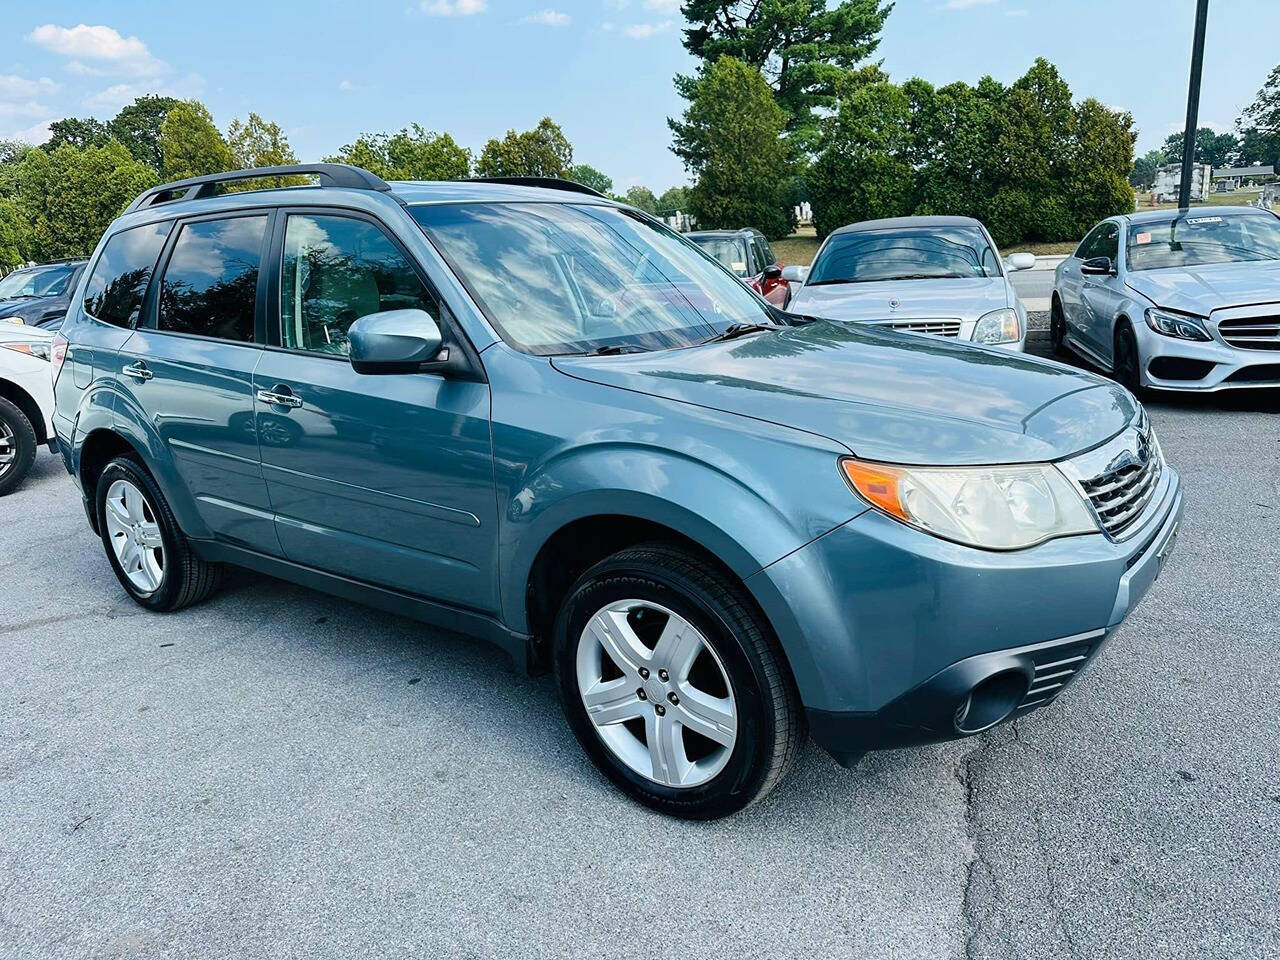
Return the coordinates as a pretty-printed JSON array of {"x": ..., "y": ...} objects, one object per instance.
[
  {"x": 119, "y": 280},
  {"x": 210, "y": 284},
  {"x": 336, "y": 270}
]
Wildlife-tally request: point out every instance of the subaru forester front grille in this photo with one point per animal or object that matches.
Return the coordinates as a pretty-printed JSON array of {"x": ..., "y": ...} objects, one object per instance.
[{"x": 1120, "y": 479}]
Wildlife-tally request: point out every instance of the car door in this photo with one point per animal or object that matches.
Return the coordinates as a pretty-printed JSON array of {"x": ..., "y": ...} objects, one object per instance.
[
  {"x": 1071, "y": 285},
  {"x": 386, "y": 479},
  {"x": 189, "y": 368},
  {"x": 1100, "y": 293}
]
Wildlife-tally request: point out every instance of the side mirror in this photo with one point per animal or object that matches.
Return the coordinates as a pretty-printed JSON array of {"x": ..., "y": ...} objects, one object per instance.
[
  {"x": 795, "y": 274},
  {"x": 1098, "y": 267},
  {"x": 1020, "y": 261},
  {"x": 396, "y": 341},
  {"x": 772, "y": 272}
]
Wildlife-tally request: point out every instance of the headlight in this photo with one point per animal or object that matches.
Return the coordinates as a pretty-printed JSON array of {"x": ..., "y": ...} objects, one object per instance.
[
  {"x": 1181, "y": 325},
  {"x": 39, "y": 348},
  {"x": 999, "y": 508},
  {"x": 998, "y": 326}
]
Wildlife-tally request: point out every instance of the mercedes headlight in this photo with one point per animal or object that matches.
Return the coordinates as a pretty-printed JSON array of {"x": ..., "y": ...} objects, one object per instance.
[
  {"x": 997, "y": 508},
  {"x": 998, "y": 326},
  {"x": 1184, "y": 326}
]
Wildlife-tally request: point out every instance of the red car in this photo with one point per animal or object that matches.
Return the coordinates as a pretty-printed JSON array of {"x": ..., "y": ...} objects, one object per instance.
[{"x": 747, "y": 253}]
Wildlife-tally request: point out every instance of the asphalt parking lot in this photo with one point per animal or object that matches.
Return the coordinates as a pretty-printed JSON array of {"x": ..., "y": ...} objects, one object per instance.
[{"x": 277, "y": 773}]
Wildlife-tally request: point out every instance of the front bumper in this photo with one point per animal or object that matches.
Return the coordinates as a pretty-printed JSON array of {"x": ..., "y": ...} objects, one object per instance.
[
  {"x": 1203, "y": 366},
  {"x": 888, "y": 629}
]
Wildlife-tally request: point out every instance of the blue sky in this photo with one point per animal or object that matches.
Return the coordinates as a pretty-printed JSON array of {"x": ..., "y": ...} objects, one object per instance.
[{"x": 328, "y": 70}]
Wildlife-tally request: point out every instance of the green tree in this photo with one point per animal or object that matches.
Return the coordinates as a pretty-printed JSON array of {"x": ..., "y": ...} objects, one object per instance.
[
  {"x": 952, "y": 129},
  {"x": 543, "y": 151},
  {"x": 804, "y": 48},
  {"x": 12, "y": 236},
  {"x": 138, "y": 126},
  {"x": 642, "y": 198},
  {"x": 589, "y": 176},
  {"x": 675, "y": 199},
  {"x": 411, "y": 154},
  {"x": 1145, "y": 168},
  {"x": 67, "y": 197},
  {"x": 731, "y": 141},
  {"x": 11, "y": 154},
  {"x": 77, "y": 132},
  {"x": 1216, "y": 149},
  {"x": 191, "y": 145},
  {"x": 1259, "y": 125},
  {"x": 863, "y": 169},
  {"x": 259, "y": 143},
  {"x": 1100, "y": 162}
]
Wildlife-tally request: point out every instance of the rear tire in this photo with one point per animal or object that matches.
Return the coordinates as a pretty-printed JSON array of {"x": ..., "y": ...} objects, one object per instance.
[
  {"x": 726, "y": 713},
  {"x": 148, "y": 552},
  {"x": 17, "y": 446}
]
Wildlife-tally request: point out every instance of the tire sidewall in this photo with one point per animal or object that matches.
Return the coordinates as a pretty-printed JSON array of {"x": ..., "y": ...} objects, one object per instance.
[
  {"x": 24, "y": 441},
  {"x": 1057, "y": 327},
  {"x": 1130, "y": 378},
  {"x": 610, "y": 582},
  {"x": 127, "y": 469}
]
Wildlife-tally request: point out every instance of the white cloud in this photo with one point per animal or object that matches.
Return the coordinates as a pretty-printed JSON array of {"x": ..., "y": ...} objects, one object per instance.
[
  {"x": 643, "y": 31},
  {"x": 346, "y": 86},
  {"x": 35, "y": 134},
  {"x": 663, "y": 6},
  {"x": 14, "y": 87},
  {"x": 452, "y": 8},
  {"x": 117, "y": 95},
  {"x": 102, "y": 46},
  {"x": 23, "y": 108},
  {"x": 965, "y": 4},
  {"x": 548, "y": 18}
]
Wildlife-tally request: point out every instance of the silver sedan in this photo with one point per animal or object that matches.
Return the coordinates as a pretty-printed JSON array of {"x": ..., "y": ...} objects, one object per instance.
[{"x": 938, "y": 275}]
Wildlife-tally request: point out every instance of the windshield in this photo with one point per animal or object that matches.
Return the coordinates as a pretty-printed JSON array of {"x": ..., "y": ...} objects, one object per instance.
[
  {"x": 730, "y": 251},
  {"x": 915, "y": 253},
  {"x": 559, "y": 278},
  {"x": 1189, "y": 241},
  {"x": 40, "y": 282}
]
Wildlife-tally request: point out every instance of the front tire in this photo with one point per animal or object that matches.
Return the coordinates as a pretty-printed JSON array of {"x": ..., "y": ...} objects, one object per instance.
[
  {"x": 672, "y": 683},
  {"x": 17, "y": 446},
  {"x": 1126, "y": 362},
  {"x": 148, "y": 552},
  {"x": 1057, "y": 328}
]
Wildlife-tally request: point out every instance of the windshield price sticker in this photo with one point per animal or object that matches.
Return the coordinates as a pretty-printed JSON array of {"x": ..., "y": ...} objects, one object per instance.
[
  {"x": 1205, "y": 220},
  {"x": 1144, "y": 238}
]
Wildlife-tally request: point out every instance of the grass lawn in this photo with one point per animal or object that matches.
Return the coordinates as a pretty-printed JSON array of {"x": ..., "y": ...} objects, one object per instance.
[{"x": 1239, "y": 198}]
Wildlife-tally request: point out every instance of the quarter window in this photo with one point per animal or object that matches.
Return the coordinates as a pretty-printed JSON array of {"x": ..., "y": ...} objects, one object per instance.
[
  {"x": 114, "y": 291},
  {"x": 336, "y": 270},
  {"x": 210, "y": 284}
]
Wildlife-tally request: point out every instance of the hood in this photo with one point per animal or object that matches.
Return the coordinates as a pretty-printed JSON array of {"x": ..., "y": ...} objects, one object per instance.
[
  {"x": 1201, "y": 290},
  {"x": 963, "y": 299},
  {"x": 24, "y": 307},
  {"x": 894, "y": 397}
]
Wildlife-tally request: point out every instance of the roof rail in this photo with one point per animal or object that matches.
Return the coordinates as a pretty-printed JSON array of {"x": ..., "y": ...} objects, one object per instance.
[
  {"x": 196, "y": 188},
  {"x": 546, "y": 183}
]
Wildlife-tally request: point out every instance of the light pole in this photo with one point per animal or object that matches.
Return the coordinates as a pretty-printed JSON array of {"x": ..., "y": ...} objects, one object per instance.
[{"x": 1193, "y": 105}]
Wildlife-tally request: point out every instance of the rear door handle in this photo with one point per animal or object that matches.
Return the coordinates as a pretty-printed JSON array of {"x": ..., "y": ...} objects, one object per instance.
[
  {"x": 278, "y": 399},
  {"x": 138, "y": 371}
]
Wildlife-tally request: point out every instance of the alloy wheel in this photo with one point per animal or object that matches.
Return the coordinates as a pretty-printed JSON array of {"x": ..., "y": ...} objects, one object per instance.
[
  {"x": 135, "y": 536},
  {"x": 657, "y": 693},
  {"x": 8, "y": 448}
]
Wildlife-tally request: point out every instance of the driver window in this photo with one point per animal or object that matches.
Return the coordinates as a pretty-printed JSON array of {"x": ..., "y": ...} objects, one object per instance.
[
  {"x": 336, "y": 270},
  {"x": 1108, "y": 242},
  {"x": 1089, "y": 243}
]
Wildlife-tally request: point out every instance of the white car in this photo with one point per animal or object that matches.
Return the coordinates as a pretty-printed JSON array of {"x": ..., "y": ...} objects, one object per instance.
[
  {"x": 939, "y": 275},
  {"x": 26, "y": 400}
]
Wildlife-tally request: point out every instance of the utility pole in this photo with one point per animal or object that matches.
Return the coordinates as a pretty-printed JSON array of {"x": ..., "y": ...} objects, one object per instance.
[{"x": 1193, "y": 105}]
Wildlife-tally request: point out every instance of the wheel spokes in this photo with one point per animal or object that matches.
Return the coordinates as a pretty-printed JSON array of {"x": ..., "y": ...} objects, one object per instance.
[
  {"x": 613, "y": 701},
  {"x": 670, "y": 762},
  {"x": 610, "y": 629},
  {"x": 678, "y": 646},
  {"x": 711, "y": 717}
]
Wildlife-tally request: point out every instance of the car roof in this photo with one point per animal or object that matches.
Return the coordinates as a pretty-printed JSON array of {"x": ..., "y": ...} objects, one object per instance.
[
  {"x": 1161, "y": 216},
  {"x": 55, "y": 263},
  {"x": 898, "y": 223}
]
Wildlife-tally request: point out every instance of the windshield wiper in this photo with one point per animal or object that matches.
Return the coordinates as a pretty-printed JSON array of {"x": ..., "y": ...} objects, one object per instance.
[{"x": 736, "y": 330}]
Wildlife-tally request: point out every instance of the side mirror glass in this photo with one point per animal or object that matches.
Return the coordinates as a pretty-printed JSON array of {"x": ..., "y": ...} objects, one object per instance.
[
  {"x": 795, "y": 274},
  {"x": 1098, "y": 266},
  {"x": 1020, "y": 261},
  {"x": 395, "y": 341}
]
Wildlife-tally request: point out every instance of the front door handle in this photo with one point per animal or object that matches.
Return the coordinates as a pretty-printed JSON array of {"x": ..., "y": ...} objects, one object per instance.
[
  {"x": 138, "y": 371},
  {"x": 278, "y": 399}
]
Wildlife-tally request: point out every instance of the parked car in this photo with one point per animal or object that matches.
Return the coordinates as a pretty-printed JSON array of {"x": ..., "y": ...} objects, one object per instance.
[
  {"x": 38, "y": 296},
  {"x": 747, "y": 253},
  {"x": 503, "y": 409},
  {"x": 938, "y": 275},
  {"x": 26, "y": 401},
  {"x": 1174, "y": 299}
]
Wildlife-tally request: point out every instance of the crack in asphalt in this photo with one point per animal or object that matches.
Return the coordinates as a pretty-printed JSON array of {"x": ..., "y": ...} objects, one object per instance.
[
  {"x": 1051, "y": 881},
  {"x": 977, "y": 859}
]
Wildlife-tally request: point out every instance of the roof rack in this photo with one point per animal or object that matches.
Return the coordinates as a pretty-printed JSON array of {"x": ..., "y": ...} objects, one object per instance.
[
  {"x": 196, "y": 188},
  {"x": 546, "y": 183}
]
